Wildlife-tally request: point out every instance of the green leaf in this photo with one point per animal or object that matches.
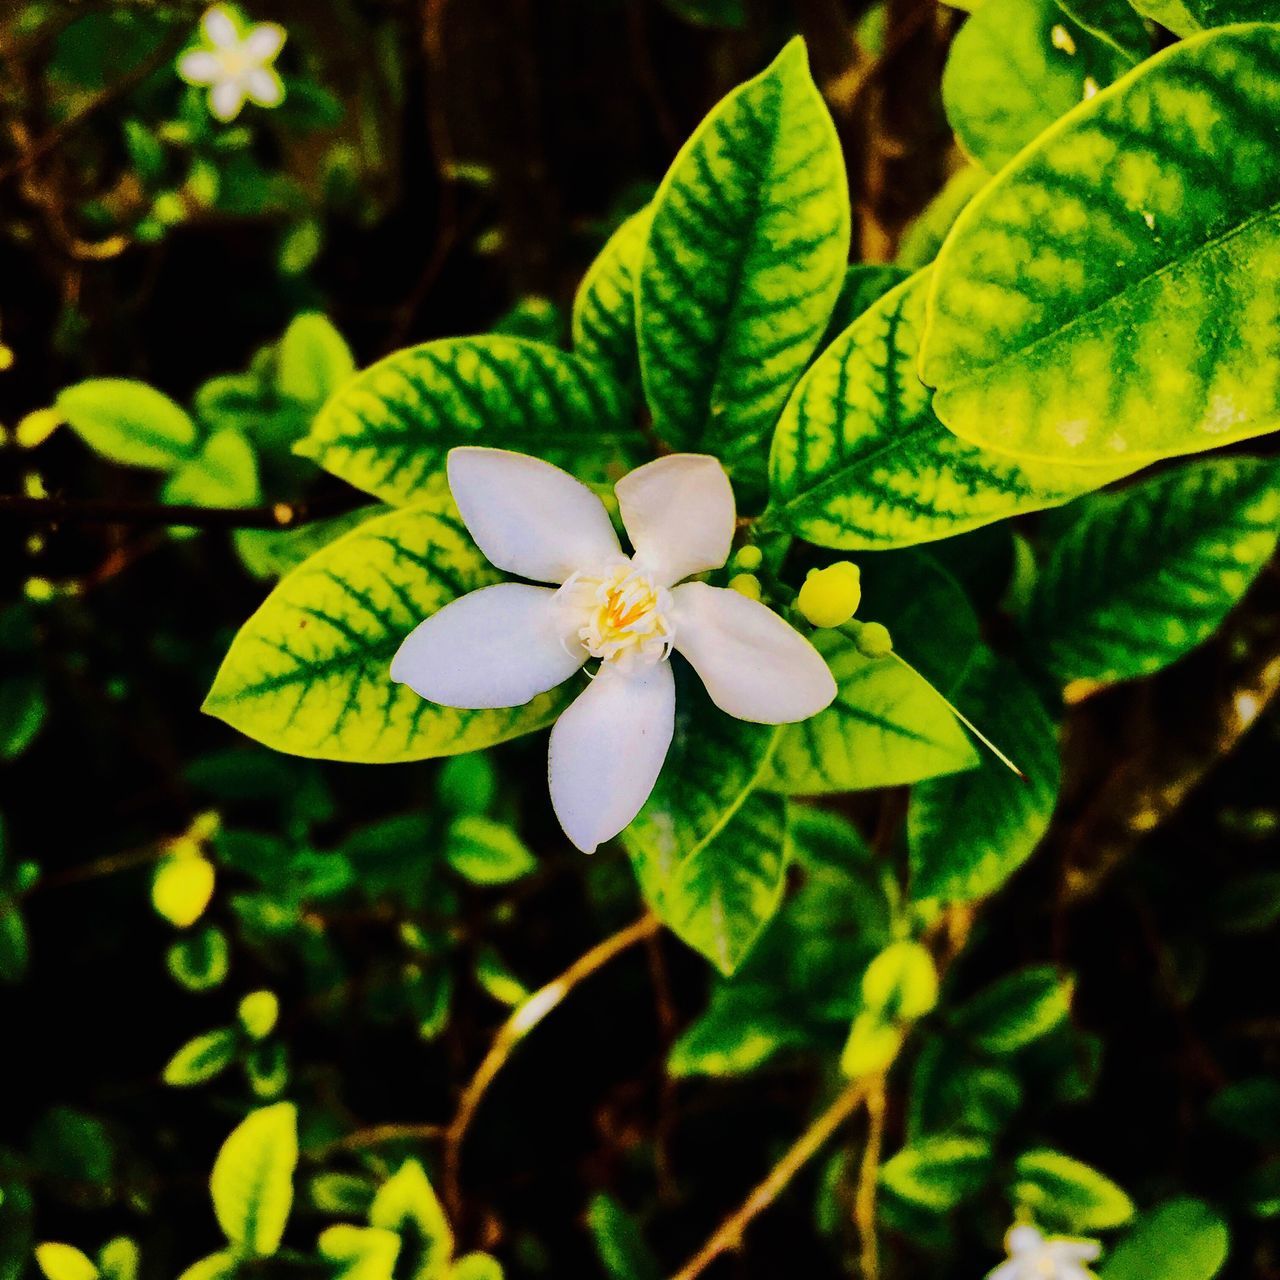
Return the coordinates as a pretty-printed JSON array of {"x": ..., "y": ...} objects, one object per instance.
[
  {"x": 64, "y": 1262},
  {"x": 252, "y": 1182},
  {"x": 119, "y": 1259},
  {"x": 1248, "y": 903},
  {"x": 223, "y": 474},
  {"x": 886, "y": 727},
  {"x": 201, "y": 961},
  {"x": 1249, "y": 1108},
  {"x": 15, "y": 951},
  {"x": 1017, "y": 1010},
  {"x": 271, "y": 553},
  {"x": 217, "y": 1266},
  {"x": 624, "y": 1255},
  {"x": 860, "y": 461},
  {"x": 938, "y": 1173},
  {"x": 487, "y": 852},
  {"x": 1142, "y": 576},
  {"x": 604, "y": 308},
  {"x": 22, "y": 712},
  {"x": 865, "y": 283},
  {"x": 1107, "y": 297},
  {"x": 407, "y": 1205},
  {"x": 743, "y": 1028},
  {"x": 129, "y": 422},
  {"x": 1069, "y": 1193},
  {"x": 309, "y": 673},
  {"x": 719, "y": 897},
  {"x": 744, "y": 260},
  {"x": 967, "y": 835},
  {"x": 476, "y": 1266},
  {"x": 314, "y": 359},
  {"x": 389, "y": 430},
  {"x": 202, "y": 1058},
  {"x": 1015, "y": 67},
  {"x": 728, "y": 15},
  {"x": 1116, "y": 22},
  {"x": 923, "y": 238},
  {"x": 362, "y": 1253},
  {"x": 1181, "y": 1239}
]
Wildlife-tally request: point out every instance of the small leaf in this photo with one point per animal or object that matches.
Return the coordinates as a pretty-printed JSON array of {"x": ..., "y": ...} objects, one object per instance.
[
  {"x": 604, "y": 308},
  {"x": 252, "y": 1181},
  {"x": 64, "y": 1262},
  {"x": 181, "y": 888},
  {"x": 362, "y": 1253},
  {"x": 624, "y": 1255},
  {"x": 1069, "y": 1193},
  {"x": 887, "y": 727},
  {"x": 743, "y": 1029},
  {"x": 271, "y": 553},
  {"x": 1142, "y": 576},
  {"x": 15, "y": 950},
  {"x": 223, "y": 474},
  {"x": 202, "y": 1058},
  {"x": 938, "y": 1173},
  {"x": 22, "y": 713},
  {"x": 1248, "y": 904},
  {"x": 217, "y": 1266},
  {"x": 388, "y": 430},
  {"x": 310, "y": 672},
  {"x": 313, "y": 360},
  {"x": 476, "y": 1266},
  {"x": 745, "y": 257},
  {"x": 487, "y": 852},
  {"x": 1017, "y": 1010},
  {"x": 407, "y": 1205},
  {"x": 129, "y": 422},
  {"x": 201, "y": 961},
  {"x": 1071, "y": 302},
  {"x": 1181, "y": 1239},
  {"x": 119, "y": 1259}
]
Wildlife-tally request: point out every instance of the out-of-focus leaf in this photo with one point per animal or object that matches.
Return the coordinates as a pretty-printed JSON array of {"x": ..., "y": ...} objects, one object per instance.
[
  {"x": 202, "y": 1058},
  {"x": 1068, "y": 1193},
  {"x": 252, "y": 1181},
  {"x": 129, "y": 422}
]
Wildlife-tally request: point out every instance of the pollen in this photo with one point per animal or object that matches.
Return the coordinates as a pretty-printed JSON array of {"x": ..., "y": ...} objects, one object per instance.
[{"x": 619, "y": 615}]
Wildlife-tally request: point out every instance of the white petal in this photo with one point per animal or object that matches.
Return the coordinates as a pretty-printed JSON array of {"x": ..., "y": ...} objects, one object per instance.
[
  {"x": 1074, "y": 1251},
  {"x": 264, "y": 87},
  {"x": 607, "y": 751},
  {"x": 1024, "y": 1239},
  {"x": 497, "y": 647},
  {"x": 264, "y": 41},
  {"x": 1005, "y": 1271},
  {"x": 755, "y": 665},
  {"x": 200, "y": 66},
  {"x": 225, "y": 100},
  {"x": 679, "y": 514},
  {"x": 220, "y": 27},
  {"x": 528, "y": 517}
]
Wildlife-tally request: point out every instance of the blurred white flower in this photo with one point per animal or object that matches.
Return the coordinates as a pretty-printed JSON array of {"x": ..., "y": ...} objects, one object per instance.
[
  {"x": 235, "y": 62},
  {"x": 502, "y": 645},
  {"x": 1034, "y": 1256}
]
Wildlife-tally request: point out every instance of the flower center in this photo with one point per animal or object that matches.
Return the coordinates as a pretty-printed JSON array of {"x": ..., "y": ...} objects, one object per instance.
[
  {"x": 620, "y": 615},
  {"x": 235, "y": 62}
]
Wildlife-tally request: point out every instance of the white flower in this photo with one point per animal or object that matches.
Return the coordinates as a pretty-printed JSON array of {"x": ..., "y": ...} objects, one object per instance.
[
  {"x": 235, "y": 67},
  {"x": 502, "y": 645},
  {"x": 1032, "y": 1256}
]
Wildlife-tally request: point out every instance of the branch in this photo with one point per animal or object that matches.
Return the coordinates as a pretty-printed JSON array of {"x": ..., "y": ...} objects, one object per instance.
[
  {"x": 278, "y": 515},
  {"x": 864, "y": 1205},
  {"x": 522, "y": 1020},
  {"x": 729, "y": 1234}
]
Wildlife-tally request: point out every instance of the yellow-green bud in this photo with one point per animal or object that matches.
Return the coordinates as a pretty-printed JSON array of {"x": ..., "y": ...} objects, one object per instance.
[
  {"x": 182, "y": 887},
  {"x": 258, "y": 1013},
  {"x": 830, "y": 596},
  {"x": 746, "y": 584},
  {"x": 901, "y": 982},
  {"x": 872, "y": 1045},
  {"x": 873, "y": 640},
  {"x": 749, "y": 558}
]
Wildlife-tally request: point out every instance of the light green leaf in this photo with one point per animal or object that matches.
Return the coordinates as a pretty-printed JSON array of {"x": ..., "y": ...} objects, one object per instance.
[
  {"x": 119, "y": 1259},
  {"x": 64, "y": 1262},
  {"x": 271, "y": 553},
  {"x": 887, "y": 727},
  {"x": 1018, "y": 1009},
  {"x": 313, "y": 360},
  {"x": 1015, "y": 67},
  {"x": 1179, "y": 1240},
  {"x": 362, "y": 1253},
  {"x": 201, "y": 961},
  {"x": 604, "y": 308},
  {"x": 476, "y": 1266},
  {"x": 407, "y": 1205},
  {"x": 744, "y": 260},
  {"x": 1109, "y": 296},
  {"x": 860, "y": 461},
  {"x": 389, "y": 430},
  {"x": 938, "y": 1173},
  {"x": 1116, "y": 22},
  {"x": 223, "y": 474},
  {"x": 217, "y": 1266},
  {"x": 742, "y": 1029},
  {"x": 487, "y": 852},
  {"x": 309, "y": 673},
  {"x": 923, "y": 238},
  {"x": 623, "y": 1252},
  {"x": 22, "y": 712},
  {"x": 1142, "y": 576},
  {"x": 1068, "y": 1193},
  {"x": 129, "y": 422},
  {"x": 252, "y": 1182},
  {"x": 1177, "y": 15},
  {"x": 202, "y": 1058},
  {"x": 967, "y": 835}
]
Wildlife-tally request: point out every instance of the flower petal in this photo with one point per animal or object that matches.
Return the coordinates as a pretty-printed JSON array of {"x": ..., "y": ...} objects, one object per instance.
[
  {"x": 220, "y": 27},
  {"x": 528, "y": 517},
  {"x": 1023, "y": 1238},
  {"x": 755, "y": 665},
  {"x": 1006, "y": 1271},
  {"x": 264, "y": 87},
  {"x": 200, "y": 66},
  {"x": 264, "y": 41},
  {"x": 496, "y": 647},
  {"x": 1074, "y": 1251},
  {"x": 679, "y": 514},
  {"x": 607, "y": 750},
  {"x": 225, "y": 100}
]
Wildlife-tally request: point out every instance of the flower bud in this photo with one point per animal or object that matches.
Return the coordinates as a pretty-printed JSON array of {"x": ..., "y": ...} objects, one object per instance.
[
  {"x": 830, "y": 596},
  {"x": 749, "y": 558},
  {"x": 258, "y": 1013},
  {"x": 873, "y": 640},
  {"x": 901, "y": 981},
  {"x": 182, "y": 887},
  {"x": 746, "y": 584}
]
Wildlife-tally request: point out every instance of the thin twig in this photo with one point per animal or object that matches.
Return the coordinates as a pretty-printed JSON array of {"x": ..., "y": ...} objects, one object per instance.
[
  {"x": 278, "y": 515},
  {"x": 729, "y": 1234},
  {"x": 864, "y": 1203},
  {"x": 378, "y": 1134},
  {"x": 522, "y": 1020}
]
